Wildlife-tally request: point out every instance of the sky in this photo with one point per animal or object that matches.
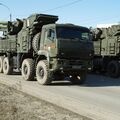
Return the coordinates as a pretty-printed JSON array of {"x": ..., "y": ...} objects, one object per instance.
[{"x": 87, "y": 13}]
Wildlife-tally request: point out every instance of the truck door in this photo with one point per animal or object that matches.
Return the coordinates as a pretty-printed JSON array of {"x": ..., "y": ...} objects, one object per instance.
[{"x": 50, "y": 42}]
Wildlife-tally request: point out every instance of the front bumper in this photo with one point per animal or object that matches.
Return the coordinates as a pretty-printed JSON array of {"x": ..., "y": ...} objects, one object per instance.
[{"x": 69, "y": 65}]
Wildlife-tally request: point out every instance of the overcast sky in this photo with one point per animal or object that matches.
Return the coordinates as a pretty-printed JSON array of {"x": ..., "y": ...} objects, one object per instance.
[{"x": 84, "y": 12}]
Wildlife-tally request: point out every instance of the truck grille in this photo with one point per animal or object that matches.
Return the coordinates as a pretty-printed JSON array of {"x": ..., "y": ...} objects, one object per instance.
[{"x": 75, "y": 62}]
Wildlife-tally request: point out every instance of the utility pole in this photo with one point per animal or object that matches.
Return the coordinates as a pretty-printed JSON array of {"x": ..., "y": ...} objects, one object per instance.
[{"x": 8, "y": 10}]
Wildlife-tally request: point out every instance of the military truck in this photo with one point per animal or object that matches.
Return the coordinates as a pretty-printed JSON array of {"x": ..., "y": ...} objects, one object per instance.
[
  {"x": 44, "y": 50},
  {"x": 107, "y": 50}
]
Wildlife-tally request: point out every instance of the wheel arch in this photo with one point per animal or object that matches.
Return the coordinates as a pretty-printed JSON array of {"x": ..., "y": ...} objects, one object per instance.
[
  {"x": 24, "y": 56},
  {"x": 40, "y": 57},
  {"x": 43, "y": 55}
]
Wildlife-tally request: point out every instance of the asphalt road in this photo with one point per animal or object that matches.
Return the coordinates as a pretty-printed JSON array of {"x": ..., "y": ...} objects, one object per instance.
[{"x": 98, "y": 98}]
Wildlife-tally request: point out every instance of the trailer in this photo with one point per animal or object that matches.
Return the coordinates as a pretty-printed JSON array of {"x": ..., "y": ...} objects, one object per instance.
[{"x": 107, "y": 50}]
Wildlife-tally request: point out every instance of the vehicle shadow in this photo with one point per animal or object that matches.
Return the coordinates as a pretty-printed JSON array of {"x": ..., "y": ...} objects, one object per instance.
[
  {"x": 16, "y": 73},
  {"x": 101, "y": 80},
  {"x": 93, "y": 80}
]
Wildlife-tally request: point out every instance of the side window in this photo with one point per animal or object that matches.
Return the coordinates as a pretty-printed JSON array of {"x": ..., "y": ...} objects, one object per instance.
[
  {"x": 85, "y": 36},
  {"x": 51, "y": 35}
]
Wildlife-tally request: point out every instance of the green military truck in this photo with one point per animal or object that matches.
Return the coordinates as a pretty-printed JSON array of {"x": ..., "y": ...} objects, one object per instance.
[
  {"x": 44, "y": 50},
  {"x": 107, "y": 50}
]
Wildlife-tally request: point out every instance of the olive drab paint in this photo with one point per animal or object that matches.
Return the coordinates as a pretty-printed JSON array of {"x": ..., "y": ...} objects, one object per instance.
[
  {"x": 38, "y": 44},
  {"x": 107, "y": 49}
]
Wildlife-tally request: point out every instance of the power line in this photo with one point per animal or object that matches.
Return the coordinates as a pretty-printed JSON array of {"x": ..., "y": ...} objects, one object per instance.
[
  {"x": 8, "y": 10},
  {"x": 62, "y": 6},
  {"x": 5, "y": 6},
  {"x": 58, "y": 7}
]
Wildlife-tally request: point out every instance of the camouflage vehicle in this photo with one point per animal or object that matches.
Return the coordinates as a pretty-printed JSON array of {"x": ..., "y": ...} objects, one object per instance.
[
  {"x": 107, "y": 50},
  {"x": 44, "y": 50}
]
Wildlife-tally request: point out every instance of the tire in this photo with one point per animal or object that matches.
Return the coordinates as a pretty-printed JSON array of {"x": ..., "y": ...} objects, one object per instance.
[
  {"x": 43, "y": 74},
  {"x": 78, "y": 78},
  {"x": 35, "y": 42},
  {"x": 28, "y": 69},
  {"x": 1, "y": 64},
  {"x": 7, "y": 68},
  {"x": 113, "y": 69}
]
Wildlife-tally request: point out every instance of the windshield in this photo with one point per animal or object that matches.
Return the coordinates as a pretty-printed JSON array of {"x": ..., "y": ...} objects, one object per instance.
[{"x": 73, "y": 33}]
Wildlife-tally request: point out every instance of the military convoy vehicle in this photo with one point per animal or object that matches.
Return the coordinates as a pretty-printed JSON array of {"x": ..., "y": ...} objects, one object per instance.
[
  {"x": 44, "y": 50},
  {"x": 107, "y": 50}
]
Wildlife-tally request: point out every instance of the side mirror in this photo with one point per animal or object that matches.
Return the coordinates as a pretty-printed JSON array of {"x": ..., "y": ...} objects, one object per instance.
[
  {"x": 9, "y": 26},
  {"x": 91, "y": 37},
  {"x": 4, "y": 33},
  {"x": 49, "y": 34}
]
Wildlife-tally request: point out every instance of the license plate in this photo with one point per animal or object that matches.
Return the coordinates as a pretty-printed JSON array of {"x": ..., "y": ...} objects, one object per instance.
[{"x": 76, "y": 67}]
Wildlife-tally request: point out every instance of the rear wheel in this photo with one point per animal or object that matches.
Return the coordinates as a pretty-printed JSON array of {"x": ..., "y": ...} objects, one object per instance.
[
  {"x": 7, "y": 68},
  {"x": 78, "y": 78},
  {"x": 43, "y": 74},
  {"x": 1, "y": 64},
  {"x": 113, "y": 69},
  {"x": 28, "y": 71}
]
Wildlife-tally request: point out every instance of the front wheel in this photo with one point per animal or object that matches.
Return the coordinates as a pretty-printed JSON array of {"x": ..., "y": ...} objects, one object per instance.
[
  {"x": 78, "y": 78},
  {"x": 43, "y": 74}
]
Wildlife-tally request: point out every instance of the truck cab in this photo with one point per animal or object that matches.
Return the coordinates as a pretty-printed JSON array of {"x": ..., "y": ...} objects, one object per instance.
[{"x": 68, "y": 49}]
